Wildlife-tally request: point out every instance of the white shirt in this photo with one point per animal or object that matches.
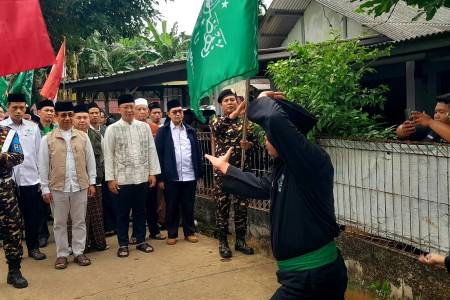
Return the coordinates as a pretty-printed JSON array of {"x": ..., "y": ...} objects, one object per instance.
[
  {"x": 183, "y": 153},
  {"x": 130, "y": 153},
  {"x": 27, "y": 173},
  {"x": 71, "y": 183}
]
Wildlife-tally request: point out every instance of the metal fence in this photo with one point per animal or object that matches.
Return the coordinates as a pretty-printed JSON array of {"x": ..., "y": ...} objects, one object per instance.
[{"x": 394, "y": 194}]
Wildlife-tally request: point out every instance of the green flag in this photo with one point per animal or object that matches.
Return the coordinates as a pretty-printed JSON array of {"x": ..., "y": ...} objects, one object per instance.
[
  {"x": 24, "y": 85},
  {"x": 3, "y": 92},
  {"x": 223, "y": 47}
]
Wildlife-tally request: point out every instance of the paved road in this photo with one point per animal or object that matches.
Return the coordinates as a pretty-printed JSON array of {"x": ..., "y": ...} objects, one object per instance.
[{"x": 183, "y": 271}]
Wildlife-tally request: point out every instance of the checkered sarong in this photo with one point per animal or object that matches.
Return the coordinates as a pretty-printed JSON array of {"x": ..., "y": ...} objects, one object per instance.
[{"x": 94, "y": 221}]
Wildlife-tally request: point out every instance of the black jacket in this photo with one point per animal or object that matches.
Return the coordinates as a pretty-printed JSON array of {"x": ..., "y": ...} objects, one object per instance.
[
  {"x": 166, "y": 153},
  {"x": 300, "y": 185},
  {"x": 447, "y": 263}
]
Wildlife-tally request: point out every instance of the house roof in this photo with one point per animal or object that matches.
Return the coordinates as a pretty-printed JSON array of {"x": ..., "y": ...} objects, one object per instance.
[{"x": 397, "y": 26}]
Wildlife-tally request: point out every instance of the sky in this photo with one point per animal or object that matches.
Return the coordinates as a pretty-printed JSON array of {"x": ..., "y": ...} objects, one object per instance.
[{"x": 184, "y": 12}]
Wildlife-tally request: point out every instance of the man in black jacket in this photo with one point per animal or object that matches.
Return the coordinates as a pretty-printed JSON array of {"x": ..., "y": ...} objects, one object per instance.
[
  {"x": 181, "y": 166},
  {"x": 303, "y": 223}
]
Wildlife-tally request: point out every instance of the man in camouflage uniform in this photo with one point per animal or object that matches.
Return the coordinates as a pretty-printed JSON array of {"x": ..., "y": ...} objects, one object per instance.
[
  {"x": 10, "y": 219},
  {"x": 227, "y": 132}
]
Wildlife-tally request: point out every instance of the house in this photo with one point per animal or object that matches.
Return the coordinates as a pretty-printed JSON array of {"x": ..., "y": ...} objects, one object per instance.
[{"x": 416, "y": 72}]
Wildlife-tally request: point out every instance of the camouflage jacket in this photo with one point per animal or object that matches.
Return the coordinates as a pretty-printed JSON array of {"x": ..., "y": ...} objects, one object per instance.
[
  {"x": 13, "y": 156},
  {"x": 228, "y": 133}
]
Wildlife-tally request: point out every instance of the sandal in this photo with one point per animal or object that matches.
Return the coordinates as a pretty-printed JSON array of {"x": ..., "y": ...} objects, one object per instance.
[
  {"x": 82, "y": 260},
  {"x": 123, "y": 252},
  {"x": 144, "y": 247},
  {"x": 61, "y": 263},
  {"x": 159, "y": 237}
]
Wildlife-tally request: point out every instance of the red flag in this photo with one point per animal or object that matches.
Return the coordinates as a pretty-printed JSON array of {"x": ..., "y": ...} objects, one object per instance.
[
  {"x": 25, "y": 44},
  {"x": 51, "y": 85}
]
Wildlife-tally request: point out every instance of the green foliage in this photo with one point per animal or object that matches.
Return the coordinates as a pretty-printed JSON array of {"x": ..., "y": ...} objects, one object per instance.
[
  {"x": 326, "y": 79},
  {"x": 381, "y": 288},
  {"x": 379, "y": 7},
  {"x": 78, "y": 19}
]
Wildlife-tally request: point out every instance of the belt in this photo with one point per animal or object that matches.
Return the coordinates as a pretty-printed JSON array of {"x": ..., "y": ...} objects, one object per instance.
[
  {"x": 312, "y": 260},
  {"x": 5, "y": 180}
]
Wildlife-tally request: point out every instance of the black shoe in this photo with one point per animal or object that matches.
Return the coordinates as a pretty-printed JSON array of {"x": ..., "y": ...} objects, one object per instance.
[
  {"x": 43, "y": 242},
  {"x": 224, "y": 249},
  {"x": 16, "y": 279},
  {"x": 37, "y": 254},
  {"x": 242, "y": 246}
]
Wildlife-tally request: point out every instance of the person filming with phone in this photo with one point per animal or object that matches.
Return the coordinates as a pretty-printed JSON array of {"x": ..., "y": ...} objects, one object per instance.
[{"x": 421, "y": 127}]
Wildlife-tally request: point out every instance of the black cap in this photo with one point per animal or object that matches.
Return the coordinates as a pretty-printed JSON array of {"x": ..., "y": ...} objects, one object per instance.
[
  {"x": 443, "y": 98},
  {"x": 172, "y": 104},
  {"x": 81, "y": 108},
  {"x": 45, "y": 103},
  {"x": 16, "y": 98},
  {"x": 63, "y": 106},
  {"x": 92, "y": 105},
  {"x": 154, "y": 105},
  {"x": 125, "y": 98},
  {"x": 225, "y": 93}
]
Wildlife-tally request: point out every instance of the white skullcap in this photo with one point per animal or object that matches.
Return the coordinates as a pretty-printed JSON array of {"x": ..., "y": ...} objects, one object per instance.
[{"x": 140, "y": 101}]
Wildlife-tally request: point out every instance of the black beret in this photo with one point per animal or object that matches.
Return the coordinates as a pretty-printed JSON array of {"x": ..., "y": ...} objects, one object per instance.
[
  {"x": 443, "y": 98},
  {"x": 125, "y": 98},
  {"x": 63, "y": 106},
  {"x": 225, "y": 93},
  {"x": 16, "y": 98},
  {"x": 92, "y": 105},
  {"x": 172, "y": 104},
  {"x": 81, "y": 108},
  {"x": 45, "y": 103},
  {"x": 154, "y": 105}
]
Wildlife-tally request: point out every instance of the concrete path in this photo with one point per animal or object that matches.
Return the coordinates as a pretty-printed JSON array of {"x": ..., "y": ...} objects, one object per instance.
[{"x": 183, "y": 271}]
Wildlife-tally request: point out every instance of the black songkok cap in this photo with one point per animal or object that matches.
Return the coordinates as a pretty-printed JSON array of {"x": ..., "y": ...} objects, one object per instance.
[
  {"x": 81, "y": 108},
  {"x": 45, "y": 103},
  {"x": 125, "y": 98},
  {"x": 92, "y": 105},
  {"x": 63, "y": 106},
  {"x": 16, "y": 98},
  {"x": 172, "y": 104},
  {"x": 154, "y": 105},
  {"x": 225, "y": 93}
]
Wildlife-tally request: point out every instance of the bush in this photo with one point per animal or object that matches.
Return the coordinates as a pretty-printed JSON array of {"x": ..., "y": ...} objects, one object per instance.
[{"x": 325, "y": 78}]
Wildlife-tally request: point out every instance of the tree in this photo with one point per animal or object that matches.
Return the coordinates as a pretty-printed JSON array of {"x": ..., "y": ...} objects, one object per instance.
[
  {"x": 78, "y": 19},
  {"x": 166, "y": 45},
  {"x": 379, "y": 7},
  {"x": 325, "y": 78}
]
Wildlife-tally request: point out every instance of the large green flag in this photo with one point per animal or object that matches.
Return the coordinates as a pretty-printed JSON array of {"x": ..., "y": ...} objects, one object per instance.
[
  {"x": 3, "y": 92},
  {"x": 223, "y": 47},
  {"x": 24, "y": 85}
]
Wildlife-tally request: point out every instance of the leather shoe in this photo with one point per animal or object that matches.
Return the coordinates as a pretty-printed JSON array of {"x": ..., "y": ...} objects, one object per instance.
[
  {"x": 16, "y": 279},
  {"x": 242, "y": 247},
  {"x": 37, "y": 254},
  {"x": 192, "y": 238},
  {"x": 171, "y": 241}
]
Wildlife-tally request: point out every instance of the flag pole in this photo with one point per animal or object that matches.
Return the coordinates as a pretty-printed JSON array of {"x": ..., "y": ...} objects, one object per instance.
[
  {"x": 64, "y": 70},
  {"x": 245, "y": 122}
]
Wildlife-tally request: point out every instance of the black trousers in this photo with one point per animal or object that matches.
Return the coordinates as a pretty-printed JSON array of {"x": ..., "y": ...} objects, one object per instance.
[
  {"x": 131, "y": 196},
  {"x": 109, "y": 204},
  {"x": 44, "y": 214},
  {"x": 328, "y": 282},
  {"x": 151, "y": 215},
  {"x": 30, "y": 206},
  {"x": 180, "y": 194}
]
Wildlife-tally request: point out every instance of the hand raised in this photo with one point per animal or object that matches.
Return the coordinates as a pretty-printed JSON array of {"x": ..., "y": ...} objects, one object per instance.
[{"x": 220, "y": 163}]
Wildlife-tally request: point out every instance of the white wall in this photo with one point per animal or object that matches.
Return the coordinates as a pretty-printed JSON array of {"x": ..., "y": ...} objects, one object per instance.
[{"x": 317, "y": 19}]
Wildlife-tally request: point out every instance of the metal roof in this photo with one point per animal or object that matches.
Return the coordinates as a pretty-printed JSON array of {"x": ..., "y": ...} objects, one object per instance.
[{"x": 282, "y": 15}]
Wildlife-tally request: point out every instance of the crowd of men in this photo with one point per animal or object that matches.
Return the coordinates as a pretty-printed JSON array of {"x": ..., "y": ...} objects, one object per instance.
[{"x": 93, "y": 179}]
